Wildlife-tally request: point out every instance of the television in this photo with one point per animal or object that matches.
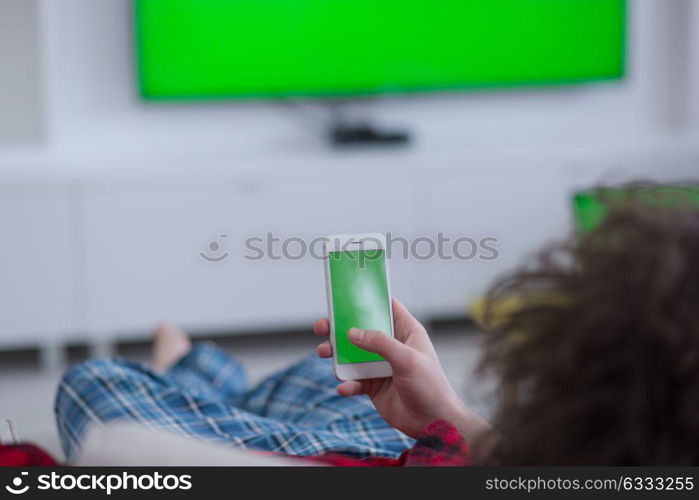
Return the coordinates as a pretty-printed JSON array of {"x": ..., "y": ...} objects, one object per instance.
[{"x": 217, "y": 49}]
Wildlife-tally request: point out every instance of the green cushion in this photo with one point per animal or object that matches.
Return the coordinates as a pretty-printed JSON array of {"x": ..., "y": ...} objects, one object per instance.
[{"x": 590, "y": 207}]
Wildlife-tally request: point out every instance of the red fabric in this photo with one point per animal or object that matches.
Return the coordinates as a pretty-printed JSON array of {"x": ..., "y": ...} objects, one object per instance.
[
  {"x": 24, "y": 455},
  {"x": 438, "y": 445}
]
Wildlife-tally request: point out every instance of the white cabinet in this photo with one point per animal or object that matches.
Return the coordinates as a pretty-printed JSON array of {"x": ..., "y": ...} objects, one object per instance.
[
  {"x": 144, "y": 244},
  {"x": 522, "y": 212},
  {"x": 284, "y": 289},
  {"x": 111, "y": 259},
  {"x": 37, "y": 264},
  {"x": 143, "y": 263}
]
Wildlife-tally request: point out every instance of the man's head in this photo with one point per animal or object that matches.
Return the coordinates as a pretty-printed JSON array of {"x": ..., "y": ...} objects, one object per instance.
[{"x": 600, "y": 365}]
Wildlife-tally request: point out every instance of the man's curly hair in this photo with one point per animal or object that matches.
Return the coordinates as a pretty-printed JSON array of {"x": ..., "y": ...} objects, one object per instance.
[{"x": 599, "y": 364}]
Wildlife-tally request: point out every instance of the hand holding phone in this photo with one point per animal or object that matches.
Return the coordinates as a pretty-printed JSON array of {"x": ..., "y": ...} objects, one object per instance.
[{"x": 418, "y": 392}]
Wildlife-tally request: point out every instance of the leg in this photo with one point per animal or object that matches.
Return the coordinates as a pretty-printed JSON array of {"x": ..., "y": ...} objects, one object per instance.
[
  {"x": 199, "y": 391},
  {"x": 103, "y": 391},
  {"x": 208, "y": 371},
  {"x": 305, "y": 395},
  {"x": 290, "y": 393},
  {"x": 202, "y": 370},
  {"x": 109, "y": 390}
]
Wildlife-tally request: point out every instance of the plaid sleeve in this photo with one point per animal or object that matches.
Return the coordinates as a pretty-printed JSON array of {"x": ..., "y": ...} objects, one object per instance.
[{"x": 438, "y": 445}]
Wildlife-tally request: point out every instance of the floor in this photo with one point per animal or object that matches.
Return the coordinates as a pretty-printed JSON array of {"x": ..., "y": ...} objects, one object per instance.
[{"x": 27, "y": 393}]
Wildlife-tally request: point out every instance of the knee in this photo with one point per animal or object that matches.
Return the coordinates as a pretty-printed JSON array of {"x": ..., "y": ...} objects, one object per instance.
[
  {"x": 87, "y": 372},
  {"x": 76, "y": 402},
  {"x": 77, "y": 381},
  {"x": 313, "y": 368},
  {"x": 87, "y": 384}
]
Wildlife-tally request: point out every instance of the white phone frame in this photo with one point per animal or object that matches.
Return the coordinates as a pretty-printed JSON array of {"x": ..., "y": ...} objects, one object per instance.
[{"x": 364, "y": 241}]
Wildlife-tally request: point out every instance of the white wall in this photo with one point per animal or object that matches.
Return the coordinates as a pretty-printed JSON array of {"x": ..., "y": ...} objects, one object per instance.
[
  {"x": 20, "y": 98},
  {"x": 93, "y": 107},
  {"x": 693, "y": 67},
  {"x": 128, "y": 191}
]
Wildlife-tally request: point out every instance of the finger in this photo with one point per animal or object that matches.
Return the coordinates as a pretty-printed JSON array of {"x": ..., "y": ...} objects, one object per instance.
[
  {"x": 325, "y": 350},
  {"x": 322, "y": 327},
  {"x": 403, "y": 320},
  {"x": 393, "y": 350},
  {"x": 406, "y": 326},
  {"x": 354, "y": 387}
]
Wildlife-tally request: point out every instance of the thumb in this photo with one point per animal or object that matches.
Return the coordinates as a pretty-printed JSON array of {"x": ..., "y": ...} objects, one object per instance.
[{"x": 394, "y": 351}]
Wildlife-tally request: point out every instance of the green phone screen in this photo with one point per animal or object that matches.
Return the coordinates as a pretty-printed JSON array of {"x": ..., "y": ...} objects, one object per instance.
[{"x": 359, "y": 298}]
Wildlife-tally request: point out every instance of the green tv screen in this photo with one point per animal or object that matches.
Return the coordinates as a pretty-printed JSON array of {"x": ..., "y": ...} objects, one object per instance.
[{"x": 191, "y": 49}]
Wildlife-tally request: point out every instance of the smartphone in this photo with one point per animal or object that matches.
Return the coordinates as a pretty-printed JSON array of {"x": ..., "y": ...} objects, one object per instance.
[{"x": 356, "y": 281}]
